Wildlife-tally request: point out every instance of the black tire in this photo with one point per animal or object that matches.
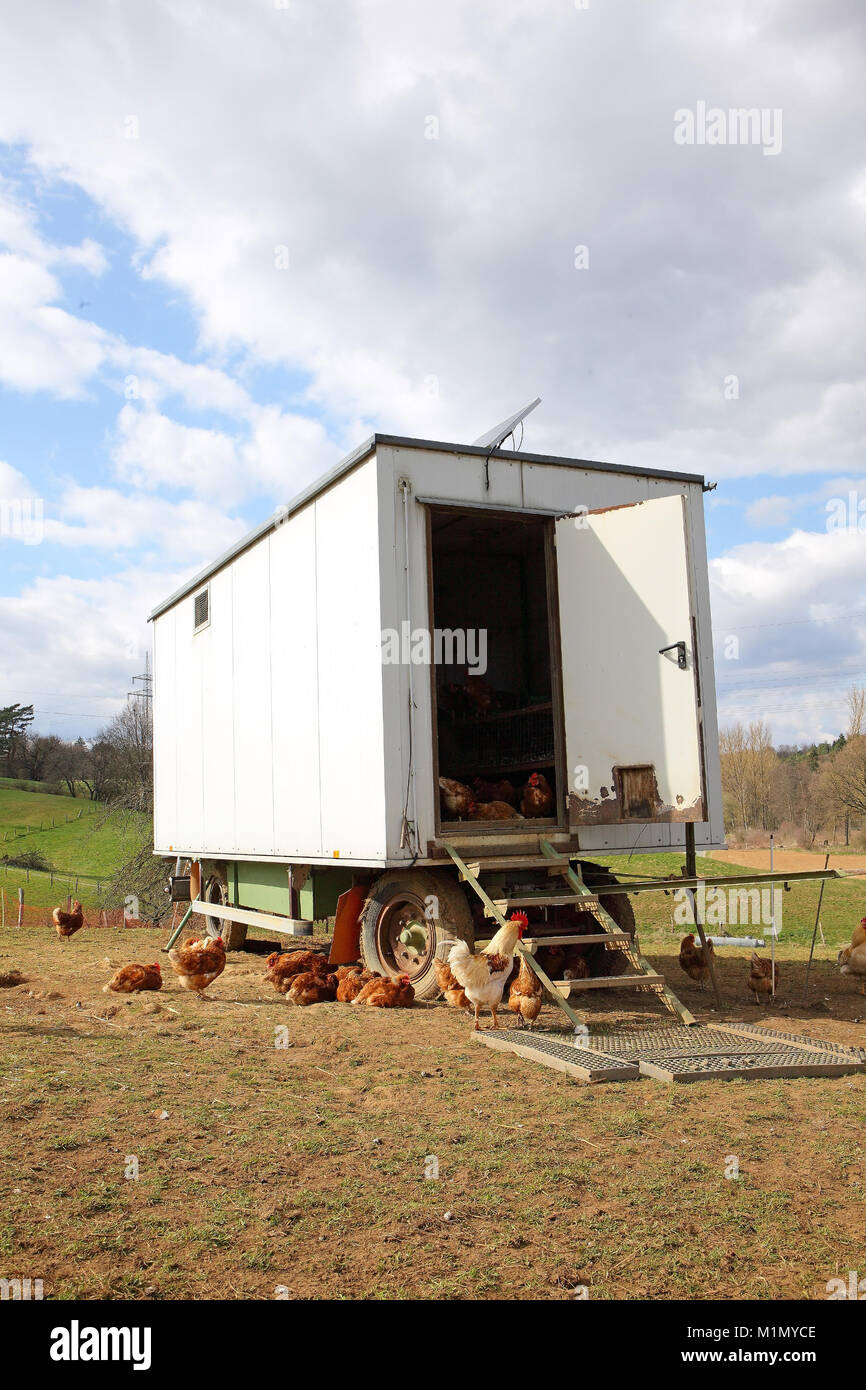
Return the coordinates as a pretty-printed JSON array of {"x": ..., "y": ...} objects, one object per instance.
[
  {"x": 215, "y": 890},
  {"x": 617, "y": 905},
  {"x": 435, "y": 901}
]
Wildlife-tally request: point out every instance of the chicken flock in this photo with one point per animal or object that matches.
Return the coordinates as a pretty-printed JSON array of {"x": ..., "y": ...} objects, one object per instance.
[
  {"x": 496, "y": 800},
  {"x": 468, "y": 980}
]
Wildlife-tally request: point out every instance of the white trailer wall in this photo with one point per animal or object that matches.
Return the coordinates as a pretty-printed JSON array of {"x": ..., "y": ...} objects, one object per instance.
[
  {"x": 268, "y": 723},
  {"x": 459, "y": 479}
]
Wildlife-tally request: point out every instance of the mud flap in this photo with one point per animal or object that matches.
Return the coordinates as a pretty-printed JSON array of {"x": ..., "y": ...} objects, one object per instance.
[{"x": 346, "y": 945}]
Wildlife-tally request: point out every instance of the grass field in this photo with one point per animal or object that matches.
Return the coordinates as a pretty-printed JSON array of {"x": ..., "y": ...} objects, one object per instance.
[
  {"x": 844, "y": 901},
  {"x": 90, "y": 848},
  {"x": 304, "y": 1166}
]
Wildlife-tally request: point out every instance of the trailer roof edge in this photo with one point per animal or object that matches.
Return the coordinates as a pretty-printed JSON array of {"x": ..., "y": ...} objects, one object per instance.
[{"x": 396, "y": 441}]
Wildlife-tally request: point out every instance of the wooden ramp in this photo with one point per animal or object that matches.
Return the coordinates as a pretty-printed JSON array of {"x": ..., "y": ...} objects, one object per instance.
[{"x": 703, "y": 1052}]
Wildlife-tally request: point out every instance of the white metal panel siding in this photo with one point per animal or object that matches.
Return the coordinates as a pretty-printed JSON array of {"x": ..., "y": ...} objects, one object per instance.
[
  {"x": 269, "y": 722},
  {"x": 352, "y": 747},
  {"x": 164, "y": 741},
  {"x": 251, "y": 685},
  {"x": 211, "y": 646},
  {"x": 189, "y": 701},
  {"x": 396, "y": 677},
  {"x": 295, "y": 687}
]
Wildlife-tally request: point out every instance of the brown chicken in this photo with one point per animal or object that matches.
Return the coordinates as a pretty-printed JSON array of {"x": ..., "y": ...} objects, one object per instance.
[
  {"x": 761, "y": 977},
  {"x": 480, "y": 697},
  {"x": 852, "y": 961},
  {"x": 198, "y": 963},
  {"x": 858, "y": 936},
  {"x": 693, "y": 960},
  {"x": 283, "y": 966},
  {"x": 129, "y": 979},
  {"x": 455, "y": 798},
  {"x": 492, "y": 810},
  {"x": 577, "y": 968},
  {"x": 494, "y": 791},
  {"x": 537, "y": 798},
  {"x": 526, "y": 995},
  {"x": 68, "y": 923},
  {"x": 351, "y": 979},
  {"x": 453, "y": 992},
  {"x": 387, "y": 994},
  {"x": 312, "y": 987}
]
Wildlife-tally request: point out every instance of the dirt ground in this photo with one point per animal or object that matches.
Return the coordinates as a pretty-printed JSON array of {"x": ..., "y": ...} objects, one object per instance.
[
  {"x": 789, "y": 859},
  {"x": 169, "y": 1147}
]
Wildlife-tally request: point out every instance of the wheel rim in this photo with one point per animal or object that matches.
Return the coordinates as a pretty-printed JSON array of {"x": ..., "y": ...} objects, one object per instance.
[{"x": 405, "y": 940}]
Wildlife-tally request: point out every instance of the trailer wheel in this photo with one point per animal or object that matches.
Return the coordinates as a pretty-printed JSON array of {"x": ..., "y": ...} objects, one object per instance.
[
  {"x": 410, "y": 917},
  {"x": 233, "y": 934}
]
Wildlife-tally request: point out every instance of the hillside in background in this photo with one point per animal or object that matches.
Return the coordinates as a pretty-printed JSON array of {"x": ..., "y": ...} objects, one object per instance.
[{"x": 78, "y": 841}]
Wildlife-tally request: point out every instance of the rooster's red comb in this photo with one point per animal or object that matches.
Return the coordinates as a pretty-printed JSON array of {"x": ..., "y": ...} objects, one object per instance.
[{"x": 520, "y": 917}]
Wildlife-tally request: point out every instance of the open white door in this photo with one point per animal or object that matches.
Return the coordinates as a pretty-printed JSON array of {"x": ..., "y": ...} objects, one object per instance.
[{"x": 632, "y": 711}]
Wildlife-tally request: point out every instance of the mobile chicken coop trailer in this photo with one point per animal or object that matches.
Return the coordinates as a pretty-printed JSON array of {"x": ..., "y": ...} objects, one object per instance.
[{"x": 313, "y": 684}]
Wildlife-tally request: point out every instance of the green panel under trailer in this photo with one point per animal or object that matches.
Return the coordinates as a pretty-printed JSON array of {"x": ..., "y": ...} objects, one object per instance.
[{"x": 263, "y": 886}]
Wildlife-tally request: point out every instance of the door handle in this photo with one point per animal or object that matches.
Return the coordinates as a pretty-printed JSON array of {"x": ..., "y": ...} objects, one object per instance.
[{"x": 680, "y": 649}]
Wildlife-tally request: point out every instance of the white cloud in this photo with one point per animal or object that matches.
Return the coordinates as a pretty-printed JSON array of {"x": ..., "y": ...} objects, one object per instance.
[
  {"x": 153, "y": 451},
  {"x": 77, "y": 642},
  {"x": 796, "y": 611},
  {"x": 452, "y": 257},
  {"x": 43, "y": 348},
  {"x": 101, "y": 518},
  {"x": 770, "y": 511}
]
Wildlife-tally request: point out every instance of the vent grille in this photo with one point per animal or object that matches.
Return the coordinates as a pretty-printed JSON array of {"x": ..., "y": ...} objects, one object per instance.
[{"x": 201, "y": 609}]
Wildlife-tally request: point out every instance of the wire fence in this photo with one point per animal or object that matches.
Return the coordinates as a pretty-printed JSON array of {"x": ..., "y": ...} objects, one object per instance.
[
  {"x": 15, "y": 913},
  {"x": 19, "y": 832},
  {"x": 57, "y": 878}
]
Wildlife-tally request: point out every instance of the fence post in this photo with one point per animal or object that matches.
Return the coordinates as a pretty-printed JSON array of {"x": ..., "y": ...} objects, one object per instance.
[{"x": 20, "y": 906}]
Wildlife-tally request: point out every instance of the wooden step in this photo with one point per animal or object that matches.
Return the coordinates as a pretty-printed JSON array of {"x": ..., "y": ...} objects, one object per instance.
[
  {"x": 541, "y": 900},
  {"x": 615, "y": 938},
  {"x": 500, "y": 865},
  {"x": 612, "y": 982}
]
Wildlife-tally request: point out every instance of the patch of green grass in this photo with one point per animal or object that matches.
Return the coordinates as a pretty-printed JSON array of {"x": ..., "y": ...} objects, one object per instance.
[{"x": 841, "y": 908}]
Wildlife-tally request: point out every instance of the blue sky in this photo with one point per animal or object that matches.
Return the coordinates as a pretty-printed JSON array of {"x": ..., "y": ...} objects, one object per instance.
[{"x": 231, "y": 246}]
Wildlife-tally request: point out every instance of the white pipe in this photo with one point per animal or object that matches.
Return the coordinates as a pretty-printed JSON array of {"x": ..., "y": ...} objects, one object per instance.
[
  {"x": 751, "y": 941},
  {"x": 405, "y": 831}
]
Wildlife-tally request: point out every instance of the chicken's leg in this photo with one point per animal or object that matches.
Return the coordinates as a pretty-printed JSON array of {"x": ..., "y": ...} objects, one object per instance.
[
  {"x": 477, "y": 1024},
  {"x": 495, "y": 1023}
]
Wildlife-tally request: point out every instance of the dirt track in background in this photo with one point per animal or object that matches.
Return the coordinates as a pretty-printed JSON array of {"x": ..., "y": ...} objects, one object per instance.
[{"x": 788, "y": 859}]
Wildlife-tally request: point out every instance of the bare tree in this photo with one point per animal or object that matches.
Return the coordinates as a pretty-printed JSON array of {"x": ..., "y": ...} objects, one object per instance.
[
  {"x": 856, "y": 698},
  {"x": 848, "y": 776}
]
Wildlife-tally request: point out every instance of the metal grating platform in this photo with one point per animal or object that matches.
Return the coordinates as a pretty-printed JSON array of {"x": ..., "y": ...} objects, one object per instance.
[
  {"x": 584, "y": 1064},
  {"x": 700, "y": 1053}
]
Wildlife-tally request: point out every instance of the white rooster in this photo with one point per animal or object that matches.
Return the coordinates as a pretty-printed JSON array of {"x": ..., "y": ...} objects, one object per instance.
[{"x": 484, "y": 973}]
